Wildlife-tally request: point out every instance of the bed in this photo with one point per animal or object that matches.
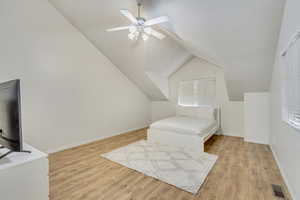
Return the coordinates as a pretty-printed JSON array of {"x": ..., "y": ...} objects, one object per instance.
[{"x": 190, "y": 128}]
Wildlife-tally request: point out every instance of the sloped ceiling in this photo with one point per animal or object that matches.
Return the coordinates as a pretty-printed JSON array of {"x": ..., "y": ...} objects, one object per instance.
[
  {"x": 134, "y": 59},
  {"x": 239, "y": 36}
]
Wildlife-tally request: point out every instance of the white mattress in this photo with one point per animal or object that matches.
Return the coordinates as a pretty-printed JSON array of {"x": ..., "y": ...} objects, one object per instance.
[{"x": 185, "y": 125}]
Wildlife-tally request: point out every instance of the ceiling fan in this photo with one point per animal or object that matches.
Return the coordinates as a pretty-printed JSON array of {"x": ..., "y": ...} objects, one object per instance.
[{"x": 141, "y": 27}]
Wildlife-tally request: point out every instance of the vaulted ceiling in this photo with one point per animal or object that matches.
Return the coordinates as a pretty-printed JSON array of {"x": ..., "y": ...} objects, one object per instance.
[{"x": 239, "y": 36}]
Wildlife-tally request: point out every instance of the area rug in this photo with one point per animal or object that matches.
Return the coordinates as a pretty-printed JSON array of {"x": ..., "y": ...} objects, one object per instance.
[{"x": 181, "y": 167}]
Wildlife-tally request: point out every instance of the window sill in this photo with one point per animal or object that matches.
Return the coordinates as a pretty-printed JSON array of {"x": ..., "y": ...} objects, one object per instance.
[
  {"x": 193, "y": 106},
  {"x": 294, "y": 126}
]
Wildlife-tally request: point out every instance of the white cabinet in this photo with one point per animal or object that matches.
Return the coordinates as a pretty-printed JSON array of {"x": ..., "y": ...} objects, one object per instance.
[
  {"x": 257, "y": 117},
  {"x": 24, "y": 176}
]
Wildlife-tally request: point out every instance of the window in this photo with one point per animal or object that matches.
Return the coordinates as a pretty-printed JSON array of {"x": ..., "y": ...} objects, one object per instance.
[
  {"x": 200, "y": 92},
  {"x": 291, "y": 90}
]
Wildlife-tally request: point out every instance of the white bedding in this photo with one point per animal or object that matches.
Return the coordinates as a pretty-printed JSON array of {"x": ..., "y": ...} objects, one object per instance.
[{"x": 185, "y": 125}]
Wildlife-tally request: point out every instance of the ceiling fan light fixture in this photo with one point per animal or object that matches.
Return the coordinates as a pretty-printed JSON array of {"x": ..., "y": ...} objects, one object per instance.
[
  {"x": 132, "y": 29},
  {"x": 134, "y": 35},
  {"x": 145, "y": 37},
  {"x": 131, "y": 36}
]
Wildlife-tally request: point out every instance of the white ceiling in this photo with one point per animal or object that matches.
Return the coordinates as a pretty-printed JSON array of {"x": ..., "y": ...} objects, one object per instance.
[{"x": 240, "y": 36}]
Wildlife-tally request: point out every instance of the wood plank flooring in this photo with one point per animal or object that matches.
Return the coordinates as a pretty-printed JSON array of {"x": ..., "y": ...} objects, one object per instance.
[{"x": 244, "y": 171}]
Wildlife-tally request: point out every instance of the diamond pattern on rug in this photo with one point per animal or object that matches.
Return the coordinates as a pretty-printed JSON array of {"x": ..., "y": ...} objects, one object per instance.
[{"x": 181, "y": 167}]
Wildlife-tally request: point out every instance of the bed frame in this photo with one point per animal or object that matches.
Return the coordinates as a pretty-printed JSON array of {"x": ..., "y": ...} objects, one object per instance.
[{"x": 195, "y": 142}]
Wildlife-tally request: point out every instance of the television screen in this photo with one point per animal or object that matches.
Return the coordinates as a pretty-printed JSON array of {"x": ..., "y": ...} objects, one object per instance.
[{"x": 10, "y": 116}]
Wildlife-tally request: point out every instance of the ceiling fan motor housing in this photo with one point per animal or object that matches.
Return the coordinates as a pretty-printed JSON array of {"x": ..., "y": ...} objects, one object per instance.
[{"x": 140, "y": 21}]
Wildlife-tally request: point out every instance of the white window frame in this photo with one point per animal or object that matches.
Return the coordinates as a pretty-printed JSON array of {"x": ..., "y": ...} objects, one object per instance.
[
  {"x": 291, "y": 82},
  {"x": 195, "y": 94}
]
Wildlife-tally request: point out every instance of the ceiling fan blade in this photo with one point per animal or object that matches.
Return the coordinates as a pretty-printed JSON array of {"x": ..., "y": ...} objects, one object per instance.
[
  {"x": 170, "y": 34},
  {"x": 151, "y": 31},
  {"x": 157, "y": 20},
  {"x": 129, "y": 15},
  {"x": 118, "y": 28}
]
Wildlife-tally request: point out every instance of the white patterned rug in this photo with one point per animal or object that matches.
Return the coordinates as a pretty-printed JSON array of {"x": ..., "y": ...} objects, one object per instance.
[{"x": 180, "y": 167}]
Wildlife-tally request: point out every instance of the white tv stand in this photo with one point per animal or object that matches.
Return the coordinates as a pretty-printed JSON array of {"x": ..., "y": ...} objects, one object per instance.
[
  {"x": 9, "y": 152},
  {"x": 24, "y": 176}
]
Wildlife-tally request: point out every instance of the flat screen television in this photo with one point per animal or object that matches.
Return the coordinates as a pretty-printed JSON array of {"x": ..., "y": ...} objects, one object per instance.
[{"x": 10, "y": 117}]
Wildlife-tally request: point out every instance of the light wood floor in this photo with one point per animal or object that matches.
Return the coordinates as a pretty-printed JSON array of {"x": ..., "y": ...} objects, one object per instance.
[{"x": 244, "y": 171}]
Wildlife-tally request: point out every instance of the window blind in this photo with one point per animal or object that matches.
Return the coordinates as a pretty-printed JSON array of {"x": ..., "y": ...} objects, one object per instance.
[
  {"x": 291, "y": 92},
  {"x": 200, "y": 92}
]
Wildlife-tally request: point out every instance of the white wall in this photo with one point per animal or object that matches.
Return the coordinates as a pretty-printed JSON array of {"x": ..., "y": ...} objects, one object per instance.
[
  {"x": 284, "y": 139},
  {"x": 71, "y": 93},
  {"x": 232, "y": 112},
  {"x": 257, "y": 117}
]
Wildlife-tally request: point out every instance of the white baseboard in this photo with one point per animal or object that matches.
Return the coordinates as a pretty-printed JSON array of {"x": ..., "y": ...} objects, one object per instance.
[
  {"x": 255, "y": 141},
  {"x": 76, "y": 144},
  {"x": 282, "y": 173},
  {"x": 232, "y": 134}
]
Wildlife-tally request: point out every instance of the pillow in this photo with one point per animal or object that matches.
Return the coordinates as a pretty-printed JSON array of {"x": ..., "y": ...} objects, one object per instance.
[{"x": 206, "y": 112}]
